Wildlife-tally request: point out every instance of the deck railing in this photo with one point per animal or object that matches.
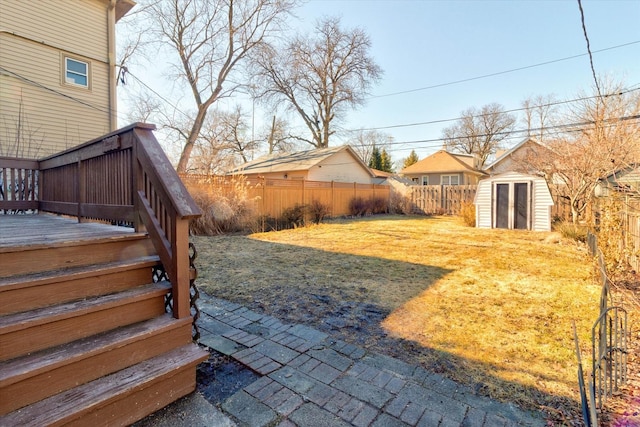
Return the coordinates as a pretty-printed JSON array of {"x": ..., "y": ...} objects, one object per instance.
[
  {"x": 122, "y": 177},
  {"x": 18, "y": 185}
]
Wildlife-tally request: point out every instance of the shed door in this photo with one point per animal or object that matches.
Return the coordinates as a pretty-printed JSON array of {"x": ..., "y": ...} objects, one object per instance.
[
  {"x": 521, "y": 199},
  {"x": 502, "y": 205}
]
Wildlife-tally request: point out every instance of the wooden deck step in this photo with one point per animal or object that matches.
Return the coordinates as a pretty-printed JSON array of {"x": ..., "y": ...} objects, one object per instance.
[
  {"x": 31, "y": 378},
  {"x": 120, "y": 398},
  {"x": 35, "y": 258},
  {"x": 27, "y": 332},
  {"x": 31, "y": 291}
]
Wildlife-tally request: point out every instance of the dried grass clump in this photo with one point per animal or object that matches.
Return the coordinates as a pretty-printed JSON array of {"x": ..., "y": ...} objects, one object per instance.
[
  {"x": 225, "y": 207},
  {"x": 572, "y": 231},
  {"x": 468, "y": 214}
]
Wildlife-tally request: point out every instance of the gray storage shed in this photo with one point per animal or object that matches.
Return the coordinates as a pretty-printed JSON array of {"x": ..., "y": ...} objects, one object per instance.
[{"x": 515, "y": 201}]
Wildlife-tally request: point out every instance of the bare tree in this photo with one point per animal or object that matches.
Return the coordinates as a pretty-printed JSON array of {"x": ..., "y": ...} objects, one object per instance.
[
  {"x": 210, "y": 41},
  {"x": 366, "y": 140},
  {"x": 319, "y": 76},
  {"x": 22, "y": 138},
  {"x": 143, "y": 107},
  {"x": 604, "y": 137},
  {"x": 538, "y": 113},
  {"x": 224, "y": 143},
  {"x": 278, "y": 136},
  {"x": 479, "y": 132}
]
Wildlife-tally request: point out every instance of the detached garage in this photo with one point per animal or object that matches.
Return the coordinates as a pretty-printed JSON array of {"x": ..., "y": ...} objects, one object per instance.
[{"x": 515, "y": 201}]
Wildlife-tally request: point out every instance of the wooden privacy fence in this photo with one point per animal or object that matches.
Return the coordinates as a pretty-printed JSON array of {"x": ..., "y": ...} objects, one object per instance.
[
  {"x": 272, "y": 196},
  {"x": 441, "y": 199}
]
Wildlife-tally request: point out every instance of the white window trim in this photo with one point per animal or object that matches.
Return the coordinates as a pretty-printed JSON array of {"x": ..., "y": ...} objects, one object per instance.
[
  {"x": 70, "y": 82},
  {"x": 424, "y": 180},
  {"x": 449, "y": 176}
]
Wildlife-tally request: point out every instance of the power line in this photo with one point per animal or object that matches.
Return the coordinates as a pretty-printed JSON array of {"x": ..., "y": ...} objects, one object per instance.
[
  {"x": 41, "y": 86},
  {"x": 586, "y": 37},
  {"x": 550, "y": 104},
  {"x": 498, "y": 73},
  {"x": 517, "y": 132},
  {"x": 18, "y": 76},
  {"x": 156, "y": 93}
]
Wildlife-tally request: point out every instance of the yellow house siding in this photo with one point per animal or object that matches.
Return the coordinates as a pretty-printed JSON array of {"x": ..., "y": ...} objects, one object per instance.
[
  {"x": 52, "y": 114},
  {"x": 76, "y": 26}
]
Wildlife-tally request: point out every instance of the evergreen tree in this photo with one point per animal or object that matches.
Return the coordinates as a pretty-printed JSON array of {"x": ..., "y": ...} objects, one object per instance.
[
  {"x": 376, "y": 159},
  {"x": 413, "y": 158},
  {"x": 386, "y": 164}
]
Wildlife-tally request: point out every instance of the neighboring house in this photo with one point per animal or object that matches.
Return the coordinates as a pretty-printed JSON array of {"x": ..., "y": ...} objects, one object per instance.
[
  {"x": 444, "y": 168},
  {"x": 515, "y": 201},
  {"x": 380, "y": 177},
  {"x": 57, "y": 73},
  {"x": 339, "y": 164},
  {"x": 515, "y": 158},
  {"x": 625, "y": 180}
]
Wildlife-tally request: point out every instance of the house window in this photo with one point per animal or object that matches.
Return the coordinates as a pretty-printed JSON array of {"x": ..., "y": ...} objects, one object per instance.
[
  {"x": 76, "y": 72},
  {"x": 450, "y": 180},
  {"x": 425, "y": 180},
  {"x": 415, "y": 180}
]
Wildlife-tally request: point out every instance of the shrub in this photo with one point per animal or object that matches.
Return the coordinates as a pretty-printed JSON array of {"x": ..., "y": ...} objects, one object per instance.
[
  {"x": 318, "y": 210},
  {"x": 379, "y": 205},
  {"x": 294, "y": 216},
  {"x": 358, "y": 206},
  {"x": 468, "y": 214},
  {"x": 611, "y": 235},
  {"x": 400, "y": 203}
]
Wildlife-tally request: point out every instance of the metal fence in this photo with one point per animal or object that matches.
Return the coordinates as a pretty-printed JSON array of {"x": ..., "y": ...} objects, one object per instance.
[{"x": 609, "y": 346}]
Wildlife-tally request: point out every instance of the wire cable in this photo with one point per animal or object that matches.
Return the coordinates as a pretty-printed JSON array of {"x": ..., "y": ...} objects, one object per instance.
[
  {"x": 586, "y": 37},
  {"x": 624, "y": 91},
  {"x": 498, "y": 73}
]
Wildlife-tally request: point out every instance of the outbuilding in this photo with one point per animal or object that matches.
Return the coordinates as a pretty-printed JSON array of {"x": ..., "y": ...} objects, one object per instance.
[{"x": 513, "y": 200}]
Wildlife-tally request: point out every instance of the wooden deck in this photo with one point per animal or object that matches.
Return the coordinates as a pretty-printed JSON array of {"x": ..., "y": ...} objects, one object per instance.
[
  {"x": 46, "y": 230},
  {"x": 84, "y": 308}
]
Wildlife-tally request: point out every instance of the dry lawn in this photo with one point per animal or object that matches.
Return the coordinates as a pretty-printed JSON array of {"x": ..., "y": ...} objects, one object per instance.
[{"x": 489, "y": 308}]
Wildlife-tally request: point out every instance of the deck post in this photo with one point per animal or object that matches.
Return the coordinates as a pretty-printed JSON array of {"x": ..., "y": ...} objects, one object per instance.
[{"x": 181, "y": 267}]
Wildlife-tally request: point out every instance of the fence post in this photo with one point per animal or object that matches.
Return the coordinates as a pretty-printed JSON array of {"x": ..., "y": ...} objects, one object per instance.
[
  {"x": 333, "y": 199},
  {"x": 264, "y": 190}
]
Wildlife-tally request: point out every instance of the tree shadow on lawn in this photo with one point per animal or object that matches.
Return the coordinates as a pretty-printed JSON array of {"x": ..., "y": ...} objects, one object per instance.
[{"x": 349, "y": 297}]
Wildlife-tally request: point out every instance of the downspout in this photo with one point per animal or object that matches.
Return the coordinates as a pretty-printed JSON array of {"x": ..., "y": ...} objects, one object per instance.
[{"x": 111, "y": 64}]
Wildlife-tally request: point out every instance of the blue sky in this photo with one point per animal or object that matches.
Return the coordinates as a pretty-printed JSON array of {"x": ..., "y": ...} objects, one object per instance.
[
  {"x": 421, "y": 43},
  {"x": 424, "y": 43}
]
